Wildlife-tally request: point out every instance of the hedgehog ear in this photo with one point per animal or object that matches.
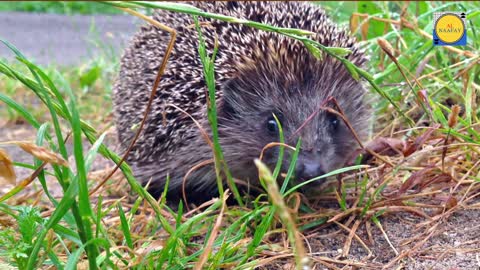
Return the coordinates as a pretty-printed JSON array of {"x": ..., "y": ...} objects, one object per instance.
[
  {"x": 236, "y": 98},
  {"x": 230, "y": 99},
  {"x": 226, "y": 109}
]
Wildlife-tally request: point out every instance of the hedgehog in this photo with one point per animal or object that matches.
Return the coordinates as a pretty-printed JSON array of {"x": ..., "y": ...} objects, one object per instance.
[{"x": 259, "y": 75}]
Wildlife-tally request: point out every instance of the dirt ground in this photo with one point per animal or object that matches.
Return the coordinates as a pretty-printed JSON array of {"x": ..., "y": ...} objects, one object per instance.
[{"x": 452, "y": 243}]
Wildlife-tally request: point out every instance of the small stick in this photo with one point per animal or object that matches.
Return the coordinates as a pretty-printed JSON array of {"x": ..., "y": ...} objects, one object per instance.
[{"x": 161, "y": 70}]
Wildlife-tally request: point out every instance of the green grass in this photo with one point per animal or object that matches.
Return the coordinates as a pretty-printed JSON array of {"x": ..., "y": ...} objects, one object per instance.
[
  {"x": 111, "y": 232},
  {"x": 92, "y": 81}
]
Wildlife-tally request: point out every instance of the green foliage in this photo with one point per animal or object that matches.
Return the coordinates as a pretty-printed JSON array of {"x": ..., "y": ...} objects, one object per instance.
[
  {"x": 17, "y": 245},
  {"x": 76, "y": 197},
  {"x": 88, "y": 77},
  {"x": 209, "y": 74},
  {"x": 94, "y": 80}
]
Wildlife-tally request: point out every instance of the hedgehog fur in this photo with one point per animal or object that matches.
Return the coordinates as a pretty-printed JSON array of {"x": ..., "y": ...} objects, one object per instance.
[{"x": 258, "y": 74}]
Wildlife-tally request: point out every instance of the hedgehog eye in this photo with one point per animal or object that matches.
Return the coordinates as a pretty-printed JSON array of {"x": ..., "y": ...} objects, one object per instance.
[
  {"x": 272, "y": 126},
  {"x": 333, "y": 120}
]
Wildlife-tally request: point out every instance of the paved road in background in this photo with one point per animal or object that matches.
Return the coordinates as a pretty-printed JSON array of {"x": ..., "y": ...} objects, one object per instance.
[{"x": 65, "y": 39}]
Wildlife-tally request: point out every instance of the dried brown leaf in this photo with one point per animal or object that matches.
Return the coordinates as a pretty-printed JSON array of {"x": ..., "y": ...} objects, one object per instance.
[
  {"x": 382, "y": 146},
  {"x": 423, "y": 178},
  {"x": 364, "y": 29},
  {"x": 419, "y": 141},
  {"x": 42, "y": 153},
  {"x": 451, "y": 202},
  {"x": 354, "y": 19},
  {"x": 7, "y": 173}
]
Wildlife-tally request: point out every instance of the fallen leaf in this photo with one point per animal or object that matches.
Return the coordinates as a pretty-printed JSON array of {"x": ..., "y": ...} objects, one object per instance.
[
  {"x": 42, "y": 153},
  {"x": 423, "y": 178},
  {"x": 7, "y": 173},
  {"x": 451, "y": 202},
  {"x": 420, "y": 140},
  {"x": 382, "y": 146}
]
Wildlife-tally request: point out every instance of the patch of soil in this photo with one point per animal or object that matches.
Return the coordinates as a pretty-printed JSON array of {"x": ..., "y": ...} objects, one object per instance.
[{"x": 451, "y": 243}]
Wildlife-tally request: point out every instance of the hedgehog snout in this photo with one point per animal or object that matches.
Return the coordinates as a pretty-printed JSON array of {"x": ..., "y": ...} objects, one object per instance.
[{"x": 309, "y": 165}]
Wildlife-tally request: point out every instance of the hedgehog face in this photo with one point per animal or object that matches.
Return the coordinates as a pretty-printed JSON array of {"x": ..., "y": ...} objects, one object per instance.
[{"x": 247, "y": 122}]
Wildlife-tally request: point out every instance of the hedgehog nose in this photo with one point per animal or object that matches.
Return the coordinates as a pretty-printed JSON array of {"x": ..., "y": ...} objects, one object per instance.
[
  {"x": 310, "y": 170},
  {"x": 309, "y": 167}
]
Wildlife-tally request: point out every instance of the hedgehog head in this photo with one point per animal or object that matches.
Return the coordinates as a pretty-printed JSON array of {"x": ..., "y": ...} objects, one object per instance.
[{"x": 292, "y": 88}]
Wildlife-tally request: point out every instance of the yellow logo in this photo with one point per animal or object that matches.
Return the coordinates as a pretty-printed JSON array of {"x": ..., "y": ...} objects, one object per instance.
[{"x": 450, "y": 29}]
